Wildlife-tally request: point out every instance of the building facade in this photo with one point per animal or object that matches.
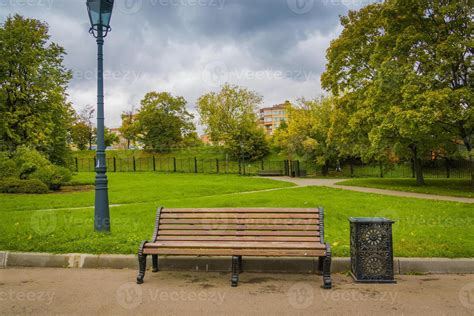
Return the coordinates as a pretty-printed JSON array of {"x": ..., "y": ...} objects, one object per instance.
[{"x": 272, "y": 117}]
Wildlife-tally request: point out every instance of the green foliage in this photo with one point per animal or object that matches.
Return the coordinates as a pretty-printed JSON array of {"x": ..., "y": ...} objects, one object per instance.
[
  {"x": 53, "y": 176},
  {"x": 308, "y": 133},
  {"x": 33, "y": 82},
  {"x": 80, "y": 135},
  {"x": 163, "y": 121},
  {"x": 230, "y": 118},
  {"x": 401, "y": 74},
  {"x": 12, "y": 185},
  {"x": 110, "y": 137},
  {"x": 27, "y": 163},
  {"x": 129, "y": 129},
  {"x": 8, "y": 167}
]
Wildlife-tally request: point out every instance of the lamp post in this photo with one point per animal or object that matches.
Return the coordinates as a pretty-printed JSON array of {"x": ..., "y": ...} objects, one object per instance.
[{"x": 100, "y": 12}]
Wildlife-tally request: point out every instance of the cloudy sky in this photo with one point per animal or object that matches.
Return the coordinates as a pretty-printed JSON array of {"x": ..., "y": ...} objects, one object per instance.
[{"x": 190, "y": 47}]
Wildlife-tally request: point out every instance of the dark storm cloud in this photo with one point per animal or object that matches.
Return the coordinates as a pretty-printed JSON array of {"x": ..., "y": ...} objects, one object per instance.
[{"x": 189, "y": 47}]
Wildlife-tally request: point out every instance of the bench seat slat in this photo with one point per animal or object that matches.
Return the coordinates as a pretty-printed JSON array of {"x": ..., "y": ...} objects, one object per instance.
[
  {"x": 235, "y": 252},
  {"x": 238, "y": 238},
  {"x": 240, "y": 211},
  {"x": 237, "y": 244},
  {"x": 245, "y": 227},
  {"x": 240, "y": 216},
  {"x": 241, "y": 221},
  {"x": 237, "y": 233}
]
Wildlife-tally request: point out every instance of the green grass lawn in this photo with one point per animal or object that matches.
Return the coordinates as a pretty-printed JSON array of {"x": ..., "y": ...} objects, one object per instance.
[
  {"x": 424, "y": 228},
  {"x": 453, "y": 187}
]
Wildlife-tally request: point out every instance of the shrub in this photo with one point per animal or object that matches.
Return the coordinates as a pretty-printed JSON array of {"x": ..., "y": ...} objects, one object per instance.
[
  {"x": 53, "y": 176},
  {"x": 12, "y": 185},
  {"x": 28, "y": 161},
  {"x": 7, "y": 167}
]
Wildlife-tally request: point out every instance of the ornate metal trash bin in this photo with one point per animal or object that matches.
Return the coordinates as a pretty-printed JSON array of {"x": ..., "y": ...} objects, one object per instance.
[{"x": 371, "y": 250}]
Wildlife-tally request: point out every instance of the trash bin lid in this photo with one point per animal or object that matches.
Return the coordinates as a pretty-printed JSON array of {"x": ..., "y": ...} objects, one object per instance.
[{"x": 370, "y": 220}]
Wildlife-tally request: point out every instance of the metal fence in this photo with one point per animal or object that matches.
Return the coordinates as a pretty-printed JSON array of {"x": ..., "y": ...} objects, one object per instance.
[
  {"x": 183, "y": 165},
  {"x": 295, "y": 168}
]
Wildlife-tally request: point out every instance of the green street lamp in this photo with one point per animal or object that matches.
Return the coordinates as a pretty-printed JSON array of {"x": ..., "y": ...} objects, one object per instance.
[{"x": 100, "y": 12}]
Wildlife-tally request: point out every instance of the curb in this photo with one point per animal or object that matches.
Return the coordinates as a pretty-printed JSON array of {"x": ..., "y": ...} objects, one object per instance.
[{"x": 223, "y": 264}]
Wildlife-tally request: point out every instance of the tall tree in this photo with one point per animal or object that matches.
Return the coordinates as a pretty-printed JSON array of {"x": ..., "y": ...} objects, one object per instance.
[
  {"x": 230, "y": 118},
  {"x": 129, "y": 128},
  {"x": 33, "y": 83},
  {"x": 163, "y": 121},
  {"x": 405, "y": 70}
]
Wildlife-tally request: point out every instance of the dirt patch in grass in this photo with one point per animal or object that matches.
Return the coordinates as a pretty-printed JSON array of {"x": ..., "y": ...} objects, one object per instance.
[{"x": 75, "y": 188}]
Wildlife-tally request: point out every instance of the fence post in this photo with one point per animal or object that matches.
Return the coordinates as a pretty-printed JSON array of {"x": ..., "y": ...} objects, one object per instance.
[
  {"x": 77, "y": 164},
  {"x": 174, "y": 164},
  {"x": 115, "y": 165},
  {"x": 447, "y": 169},
  {"x": 217, "y": 165},
  {"x": 381, "y": 169},
  {"x": 95, "y": 162},
  {"x": 134, "y": 164},
  {"x": 195, "y": 165}
]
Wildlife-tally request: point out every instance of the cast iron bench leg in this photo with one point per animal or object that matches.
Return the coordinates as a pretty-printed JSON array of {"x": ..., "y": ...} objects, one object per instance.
[
  {"x": 320, "y": 265},
  {"x": 240, "y": 265},
  {"x": 155, "y": 263},
  {"x": 235, "y": 271},
  {"x": 327, "y": 269},
  {"x": 142, "y": 268}
]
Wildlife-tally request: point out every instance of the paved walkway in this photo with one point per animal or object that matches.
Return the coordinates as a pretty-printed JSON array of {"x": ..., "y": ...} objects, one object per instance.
[
  {"x": 332, "y": 183},
  {"x": 44, "y": 291}
]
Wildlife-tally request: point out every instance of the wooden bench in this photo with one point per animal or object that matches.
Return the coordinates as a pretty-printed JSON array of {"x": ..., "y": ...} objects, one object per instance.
[{"x": 275, "y": 232}]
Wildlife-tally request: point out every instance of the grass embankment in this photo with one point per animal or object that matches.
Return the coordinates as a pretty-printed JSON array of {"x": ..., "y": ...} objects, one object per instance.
[
  {"x": 424, "y": 228},
  {"x": 450, "y": 187}
]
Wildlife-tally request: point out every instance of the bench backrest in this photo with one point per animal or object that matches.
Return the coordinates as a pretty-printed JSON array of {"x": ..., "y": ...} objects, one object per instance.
[{"x": 247, "y": 224}]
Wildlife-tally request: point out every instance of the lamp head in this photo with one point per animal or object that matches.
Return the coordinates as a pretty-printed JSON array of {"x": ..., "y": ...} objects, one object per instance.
[{"x": 100, "y": 12}]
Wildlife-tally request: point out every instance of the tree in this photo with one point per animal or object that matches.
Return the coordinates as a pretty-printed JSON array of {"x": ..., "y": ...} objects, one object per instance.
[
  {"x": 403, "y": 73},
  {"x": 33, "y": 83},
  {"x": 86, "y": 116},
  {"x": 308, "y": 132},
  {"x": 80, "y": 135},
  {"x": 110, "y": 137},
  {"x": 129, "y": 128},
  {"x": 230, "y": 118},
  {"x": 163, "y": 121}
]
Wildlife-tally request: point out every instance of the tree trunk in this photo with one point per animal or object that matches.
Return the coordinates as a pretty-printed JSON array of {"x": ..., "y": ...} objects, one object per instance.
[
  {"x": 325, "y": 168},
  {"x": 418, "y": 166}
]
